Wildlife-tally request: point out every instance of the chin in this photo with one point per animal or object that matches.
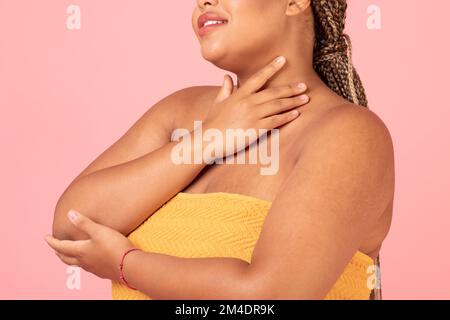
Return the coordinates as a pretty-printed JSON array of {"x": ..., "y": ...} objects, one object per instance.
[
  {"x": 223, "y": 58},
  {"x": 213, "y": 51},
  {"x": 218, "y": 56},
  {"x": 225, "y": 62}
]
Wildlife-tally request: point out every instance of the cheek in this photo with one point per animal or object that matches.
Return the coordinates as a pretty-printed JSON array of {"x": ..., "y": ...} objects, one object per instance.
[
  {"x": 254, "y": 18},
  {"x": 257, "y": 33}
]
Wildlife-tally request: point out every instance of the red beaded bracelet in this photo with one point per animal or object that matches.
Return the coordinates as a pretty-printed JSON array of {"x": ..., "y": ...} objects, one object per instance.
[{"x": 122, "y": 276}]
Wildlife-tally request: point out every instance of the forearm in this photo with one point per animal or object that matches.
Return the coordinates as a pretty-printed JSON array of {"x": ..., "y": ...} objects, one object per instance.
[
  {"x": 164, "y": 277},
  {"x": 123, "y": 196}
]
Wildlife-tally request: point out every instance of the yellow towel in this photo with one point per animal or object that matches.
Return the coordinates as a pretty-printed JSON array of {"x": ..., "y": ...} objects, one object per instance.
[{"x": 223, "y": 224}]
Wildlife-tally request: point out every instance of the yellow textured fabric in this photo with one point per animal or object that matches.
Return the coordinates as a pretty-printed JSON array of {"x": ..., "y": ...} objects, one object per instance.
[{"x": 223, "y": 224}]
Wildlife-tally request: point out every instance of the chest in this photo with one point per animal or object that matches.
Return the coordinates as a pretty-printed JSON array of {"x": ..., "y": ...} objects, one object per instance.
[
  {"x": 259, "y": 170},
  {"x": 276, "y": 155}
]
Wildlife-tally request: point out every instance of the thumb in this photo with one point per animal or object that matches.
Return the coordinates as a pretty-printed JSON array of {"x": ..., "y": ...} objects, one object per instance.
[
  {"x": 82, "y": 222},
  {"x": 226, "y": 90}
]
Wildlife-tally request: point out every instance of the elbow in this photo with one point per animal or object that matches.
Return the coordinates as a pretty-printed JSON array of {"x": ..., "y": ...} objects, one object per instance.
[
  {"x": 257, "y": 286},
  {"x": 260, "y": 285},
  {"x": 265, "y": 289},
  {"x": 62, "y": 228},
  {"x": 258, "y": 290}
]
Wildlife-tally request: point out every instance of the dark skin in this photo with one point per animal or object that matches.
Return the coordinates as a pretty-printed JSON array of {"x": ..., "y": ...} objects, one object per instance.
[{"x": 324, "y": 208}]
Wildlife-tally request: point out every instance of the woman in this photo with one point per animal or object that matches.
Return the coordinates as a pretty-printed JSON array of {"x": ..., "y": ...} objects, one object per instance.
[{"x": 206, "y": 230}]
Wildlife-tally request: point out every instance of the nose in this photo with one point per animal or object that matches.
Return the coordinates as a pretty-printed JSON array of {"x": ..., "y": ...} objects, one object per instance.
[{"x": 203, "y": 3}]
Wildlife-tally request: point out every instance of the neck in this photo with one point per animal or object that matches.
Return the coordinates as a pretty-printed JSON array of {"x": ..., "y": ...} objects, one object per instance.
[{"x": 295, "y": 70}]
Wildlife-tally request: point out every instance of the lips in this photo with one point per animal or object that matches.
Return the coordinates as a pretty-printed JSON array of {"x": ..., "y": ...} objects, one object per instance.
[{"x": 209, "y": 16}]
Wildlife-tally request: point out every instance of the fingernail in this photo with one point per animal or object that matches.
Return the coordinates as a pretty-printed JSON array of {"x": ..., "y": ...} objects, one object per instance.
[
  {"x": 73, "y": 215},
  {"x": 295, "y": 113},
  {"x": 301, "y": 85},
  {"x": 280, "y": 60},
  {"x": 304, "y": 97}
]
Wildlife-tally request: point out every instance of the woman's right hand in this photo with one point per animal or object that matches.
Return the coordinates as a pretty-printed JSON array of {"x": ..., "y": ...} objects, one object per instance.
[{"x": 248, "y": 109}]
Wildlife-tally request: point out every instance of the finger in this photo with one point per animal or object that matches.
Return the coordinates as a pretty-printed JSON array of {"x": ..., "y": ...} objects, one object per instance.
[
  {"x": 230, "y": 84},
  {"x": 281, "y": 105},
  {"x": 66, "y": 247},
  {"x": 279, "y": 119},
  {"x": 260, "y": 78},
  {"x": 277, "y": 93},
  {"x": 71, "y": 261},
  {"x": 83, "y": 223},
  {"x": 226, "y": 90}
]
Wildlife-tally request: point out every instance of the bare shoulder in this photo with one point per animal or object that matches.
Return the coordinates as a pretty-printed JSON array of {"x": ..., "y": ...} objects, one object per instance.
[
  {"x": 193, "y": 94},
  {"x": 188, "y": 103},
  {"x": 153, "y": 129},
  {"x": 353, "y": 143},
  {"x": 355, "y": 126}
]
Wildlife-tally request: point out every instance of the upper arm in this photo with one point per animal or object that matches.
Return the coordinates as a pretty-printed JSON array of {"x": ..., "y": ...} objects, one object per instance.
[
  {"x": 341, "y": 184},
  {"x": 150, "y": 132}
]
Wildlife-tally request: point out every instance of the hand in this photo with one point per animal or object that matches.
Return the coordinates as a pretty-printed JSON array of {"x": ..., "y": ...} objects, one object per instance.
[
  {"x": 100, "y": 254},
  {"x": 245, "y": 108}
]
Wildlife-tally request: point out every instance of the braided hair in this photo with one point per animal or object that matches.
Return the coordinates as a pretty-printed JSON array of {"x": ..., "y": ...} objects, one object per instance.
[{"x": 333, "y": 51}]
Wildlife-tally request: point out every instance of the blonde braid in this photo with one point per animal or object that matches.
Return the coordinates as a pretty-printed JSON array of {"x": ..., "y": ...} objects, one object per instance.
[{"x": 333, "y": 51}]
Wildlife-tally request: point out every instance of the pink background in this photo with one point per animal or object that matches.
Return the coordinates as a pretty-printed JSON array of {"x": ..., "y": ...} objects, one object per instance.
[{"x": 65, "y": 96}]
